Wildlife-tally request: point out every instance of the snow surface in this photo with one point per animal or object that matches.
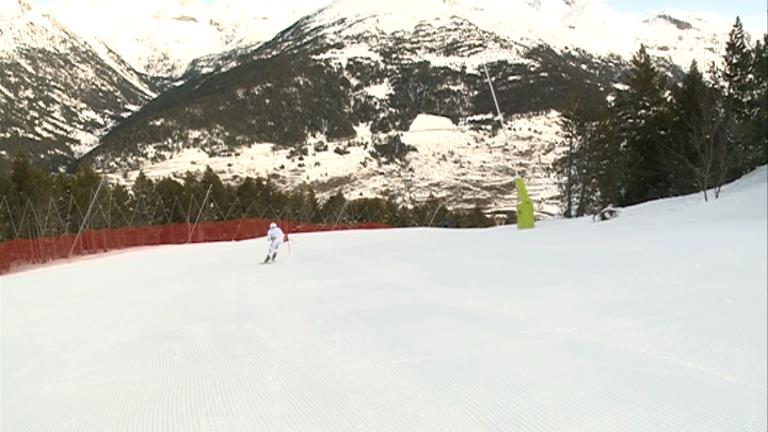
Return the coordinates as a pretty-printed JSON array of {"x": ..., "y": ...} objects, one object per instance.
[{"x": 652, "y": 321}]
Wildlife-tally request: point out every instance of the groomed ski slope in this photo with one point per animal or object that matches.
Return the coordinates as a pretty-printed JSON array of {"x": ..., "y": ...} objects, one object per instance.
[{"x": 655, "y": 321}]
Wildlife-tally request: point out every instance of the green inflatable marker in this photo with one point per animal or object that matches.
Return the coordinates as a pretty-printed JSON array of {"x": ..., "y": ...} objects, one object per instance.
[{"x": 524, "y": 206}]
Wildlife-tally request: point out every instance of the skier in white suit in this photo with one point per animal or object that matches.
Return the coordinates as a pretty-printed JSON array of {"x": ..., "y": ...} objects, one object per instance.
[{"x": 275, "y": 238}]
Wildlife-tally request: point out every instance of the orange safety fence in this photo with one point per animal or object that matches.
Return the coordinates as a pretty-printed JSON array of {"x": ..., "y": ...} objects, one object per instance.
[{"x": 15, "y": 253}]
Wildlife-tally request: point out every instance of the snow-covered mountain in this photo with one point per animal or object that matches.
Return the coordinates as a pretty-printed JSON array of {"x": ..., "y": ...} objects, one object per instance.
[
  {"x": 589, "y": 25},
  {"x": 58, "y": 92},
  {"x": 378, "y": 98},
  {"x": 162, "y": 37}
]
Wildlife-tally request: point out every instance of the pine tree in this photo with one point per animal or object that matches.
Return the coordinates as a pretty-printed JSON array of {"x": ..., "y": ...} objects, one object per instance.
[
  {"x": 61, "y": 194},
  {"x": 474, "y": 218},
  {"x": 5, "y": 186},
  {"x": 6, "y": 232},
  {"x": 302, "y": 204},
  {"x": 696, "y": 156},
  {"x": 144, "y": 201},
  {"x": 605, "y": 172},
  {"x": 332, "y": 208},
  {"x": 758, "y": 133},
  {"x": 120, "y": 212},
  {"x": 29, "y": 183},
  {"x": 578, "y": 166},
  {"x": 168, "y": 192},
  {"x": 739, "y": 88},
  {"x": 29, "y": 197},
  {"x": 640, "y": 127},
  {"x": 84, "y": 186},
  {"x": 245, "y": 195},
  {"x": 220, "y": 198},
  {"x": 737, "y": 74},
  {"x": 565, "y": 166}
]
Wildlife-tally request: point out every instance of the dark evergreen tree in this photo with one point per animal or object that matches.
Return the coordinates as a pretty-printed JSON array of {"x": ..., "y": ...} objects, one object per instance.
[
  {"x": 758, "y": 131},
  {"x": 85, "y": 189},
  {"x": 738, "y": 82},
  {"x": 605, "y": 173},
  {"x": 6, "y": 225},
  {"x": 168, "y": 192},
  {"x": 246, "y": 194},
  {"x": 699, "y": 141},
  {"x": 61, "y": 198},
  {"x": 30, "y": 196},
  {"x": 640, "y": 127},
  {"x": 191, "y": 199},
  {"x": 5, "y": 187},
  {"x": 302, "y": 204},
  {"x": 30, "y": 185},
  {"x": 276, "y": 201},
  {"x": 565, "y": 166},
  {"x": 474, "y": 218},
  {"x": 254, "y": 193},
  {"x": 263, "y": 199},
  {"x": 220, "y": 199},
  {"x": 119, "y": 206},
  {"x": 578, "y": 167},
  {"x": 145, "y": 202},
  {"x": 739, "y": 89},
  {"x": 434, "y": 212},
  {"x": 333, "y": 208}
]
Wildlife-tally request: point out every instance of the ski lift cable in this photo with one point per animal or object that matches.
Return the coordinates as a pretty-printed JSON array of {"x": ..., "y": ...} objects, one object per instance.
[{"x": 499, "y": 115}]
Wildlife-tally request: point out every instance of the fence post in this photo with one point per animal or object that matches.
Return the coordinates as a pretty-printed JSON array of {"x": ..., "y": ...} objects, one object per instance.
[
  {"x": 338, "y": 218},
  {"x": 85, "y": 219},
  {"x": 435, "y": 214},
  {"x": 192, "y": 231}
]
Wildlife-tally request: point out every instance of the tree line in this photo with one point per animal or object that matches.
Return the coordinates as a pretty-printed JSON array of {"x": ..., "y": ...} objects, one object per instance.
[
  {"x": 651, "y": 138},
  {"x": 35, "y": 203}
]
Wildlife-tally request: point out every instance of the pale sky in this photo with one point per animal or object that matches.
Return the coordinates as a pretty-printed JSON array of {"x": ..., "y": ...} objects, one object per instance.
[{"x": 753, "y": 13}]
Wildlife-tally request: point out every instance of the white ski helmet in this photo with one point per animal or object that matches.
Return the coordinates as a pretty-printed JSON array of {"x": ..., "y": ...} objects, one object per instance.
[{"x": 272, "y": 225}]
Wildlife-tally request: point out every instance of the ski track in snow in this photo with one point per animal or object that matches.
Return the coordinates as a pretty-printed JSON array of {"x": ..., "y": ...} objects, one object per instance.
[{"x": 654, "y": 321}]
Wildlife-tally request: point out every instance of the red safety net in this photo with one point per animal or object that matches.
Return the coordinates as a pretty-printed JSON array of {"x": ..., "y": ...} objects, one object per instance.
[{"x": 17, "y": 253}]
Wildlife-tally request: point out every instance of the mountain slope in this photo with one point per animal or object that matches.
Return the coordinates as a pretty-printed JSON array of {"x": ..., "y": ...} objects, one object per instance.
[
  {"x": 676, "y": 36},
  {"x": 162, "y": 37},
  {"x": 655, "y": 320},
  {"x": 380, "y": 67},
  {"x": 58, "y": 93}
]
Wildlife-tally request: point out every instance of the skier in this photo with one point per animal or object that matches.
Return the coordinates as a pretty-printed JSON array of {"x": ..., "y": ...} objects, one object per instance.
[{"x": 275, "y": 238}]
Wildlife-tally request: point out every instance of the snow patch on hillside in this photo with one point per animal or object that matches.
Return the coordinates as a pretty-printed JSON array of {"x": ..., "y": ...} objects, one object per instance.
[
  {"x": 428, "y": 122},
  {"x": 459, "y": 164},
  {"x": 380, "y": 91}
]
